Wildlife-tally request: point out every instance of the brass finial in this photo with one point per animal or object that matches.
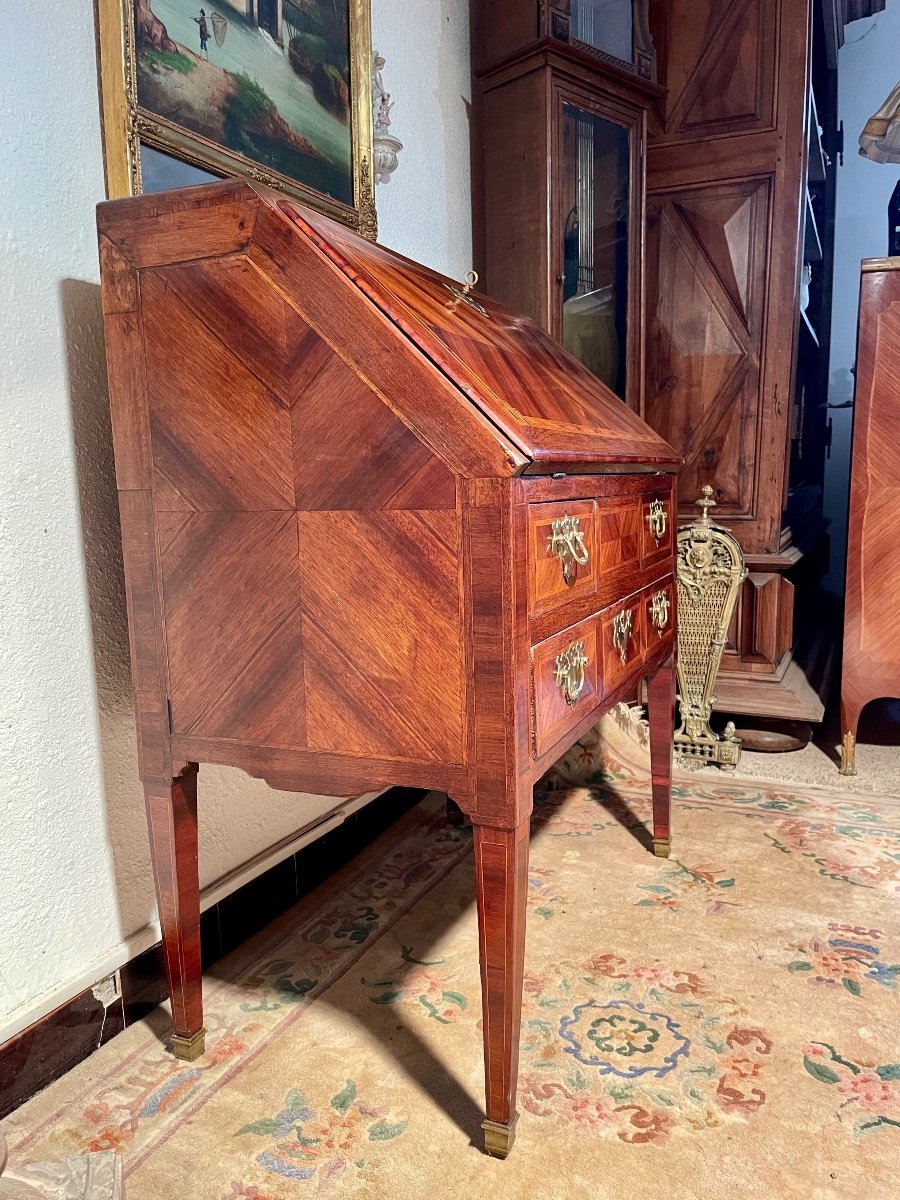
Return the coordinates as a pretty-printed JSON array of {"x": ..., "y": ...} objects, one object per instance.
[{"x": 705, "y": 503}]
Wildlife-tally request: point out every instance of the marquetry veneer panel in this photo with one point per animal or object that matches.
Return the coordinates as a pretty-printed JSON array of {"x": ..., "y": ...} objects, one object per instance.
[
  {"x": 547, "y": 582},
  {"x": 554, "y": 712}
]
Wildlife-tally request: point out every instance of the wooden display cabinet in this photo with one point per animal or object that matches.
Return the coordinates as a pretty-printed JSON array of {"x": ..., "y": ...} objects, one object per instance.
[{"x": 560, "y": 135}]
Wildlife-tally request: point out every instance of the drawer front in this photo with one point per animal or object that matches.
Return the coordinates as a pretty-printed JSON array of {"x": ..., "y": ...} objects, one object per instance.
[
  {"x": 622, "y": 635},
  {"x": 565, "y": 675},
  {"x": 657, "y": 527},
  {"x": 619, "y": 536},
  {"x": 659, "y": 615},
  {"x": 562, "y": 553}
]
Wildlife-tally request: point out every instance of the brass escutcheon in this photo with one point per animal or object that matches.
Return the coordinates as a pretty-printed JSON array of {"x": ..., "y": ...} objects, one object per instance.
[
  {"x": 657, "y": 519},
  {"x": 570, "y": 671},
  {"x": 659, "y": 610},
  {"x": 623, "y": 628},
  {"x": 567, "y": 543}
]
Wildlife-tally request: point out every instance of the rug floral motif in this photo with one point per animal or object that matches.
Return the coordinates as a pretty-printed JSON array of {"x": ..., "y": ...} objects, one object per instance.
[
  {"x": 299, "y": 1142},
  {"x": 850, "y": 957},
  {"x": 637, "y": 1050},
  {"x": 867, "y": 1094},
  {"x": 702, "y": 1017}
]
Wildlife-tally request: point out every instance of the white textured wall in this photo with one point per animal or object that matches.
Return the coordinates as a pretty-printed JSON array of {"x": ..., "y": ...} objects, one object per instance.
[
  {"x": 425, "y": 210},
  {"x": 74, "y": 873},
  {"x": 868, "y": 68}
]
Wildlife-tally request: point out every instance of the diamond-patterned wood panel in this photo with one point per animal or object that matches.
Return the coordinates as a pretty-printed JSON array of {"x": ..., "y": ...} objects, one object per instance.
[
  {"x": 367, "y": 578},
  {"x": 720, "y": 68},
  {"x": 619, "y": 535},
  {"x": 392, "y": 469},
  {"x": 705, "y": 322},
  {"x": 272, "y": 427},
  {"x": 250, "y": 318},
  {"x": 221, "y": 438},
  {"x": 211, "y": 564}
]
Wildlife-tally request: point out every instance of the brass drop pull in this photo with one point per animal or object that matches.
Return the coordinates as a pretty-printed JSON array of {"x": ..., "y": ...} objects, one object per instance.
[
  {"x": 570, "y": 671},
  {"x": 657, "y": 519},
  {"x": 623, "y": 629},
  {"x": 567, "y": 543},
  {"x": 659, "y": 610}
]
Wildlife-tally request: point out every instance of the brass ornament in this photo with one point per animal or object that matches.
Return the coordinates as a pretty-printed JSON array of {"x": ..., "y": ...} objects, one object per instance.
[
  {"x": 463, "y": 296},
  {"x": 711, "y": 572},
  {"x": 570, "y": 671},
  {"x": 659, "y": 610},
  {"x": 567, "y": 544},
  {"x": 623, "y": 629},
  {"x": 848, "y": 754},
  {"x": 657, "y": 519}
]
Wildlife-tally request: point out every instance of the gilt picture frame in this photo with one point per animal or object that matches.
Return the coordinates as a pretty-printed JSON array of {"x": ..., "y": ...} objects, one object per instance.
[{"x": 278, "y": 91}]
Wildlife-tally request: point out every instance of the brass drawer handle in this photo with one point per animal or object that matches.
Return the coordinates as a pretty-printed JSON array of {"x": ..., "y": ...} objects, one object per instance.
[
  {"x": 657, "y": 519},
  {"x": 623, "y": 629},
  {"x": 567, "y": 543},
  {"x": 659, "y": 610},
  {"x": 570, "y": 671}
]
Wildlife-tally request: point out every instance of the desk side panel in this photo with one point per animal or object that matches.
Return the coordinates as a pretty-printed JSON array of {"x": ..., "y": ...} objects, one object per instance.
[{"x": 308, "y": 541}]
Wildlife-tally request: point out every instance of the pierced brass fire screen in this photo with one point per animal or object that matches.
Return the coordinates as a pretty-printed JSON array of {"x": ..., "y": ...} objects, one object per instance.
[{"x": 710, "y": 574}]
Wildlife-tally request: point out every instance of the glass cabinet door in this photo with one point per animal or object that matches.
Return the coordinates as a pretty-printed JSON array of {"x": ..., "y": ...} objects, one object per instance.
[{"x": 595, "y": 183}]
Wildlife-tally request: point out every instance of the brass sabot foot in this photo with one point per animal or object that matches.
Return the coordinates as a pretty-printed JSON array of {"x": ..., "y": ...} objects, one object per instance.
[
  {"x": 848, "y": 754},
  {"x": 662, "y": 847},
  {"x": 189, "y": 1048},
  {"x": 499, "y": 1138}
]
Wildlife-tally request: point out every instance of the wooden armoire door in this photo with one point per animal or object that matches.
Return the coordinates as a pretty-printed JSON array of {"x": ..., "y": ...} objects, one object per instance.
[{"x": 726, "y": 192}]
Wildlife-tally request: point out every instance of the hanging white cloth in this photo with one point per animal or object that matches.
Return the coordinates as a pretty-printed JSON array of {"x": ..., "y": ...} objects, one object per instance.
[{"x": 880, "y": 140}]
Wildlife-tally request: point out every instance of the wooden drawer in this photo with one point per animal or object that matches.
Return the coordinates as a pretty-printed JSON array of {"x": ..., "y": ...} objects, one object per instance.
[
  {"x": 565, "y": 679},
  {"x": 622, "y": 636},
  {"x": 659, "y": 615},
  {"x": 619, "y": 536},
  {"x": 657, "y": 527},
  {"x": 562, "y": 553}
]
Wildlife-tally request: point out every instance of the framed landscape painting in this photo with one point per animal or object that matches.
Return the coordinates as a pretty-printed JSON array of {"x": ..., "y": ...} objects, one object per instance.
[{"x": 276, "y": 90}]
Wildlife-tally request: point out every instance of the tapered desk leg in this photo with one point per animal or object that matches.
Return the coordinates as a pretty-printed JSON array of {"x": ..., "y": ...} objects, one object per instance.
[
  {"x": 172, "y": 821},
  {"x": 501, "y": 881},
  {"x": 661, "y": 712}
]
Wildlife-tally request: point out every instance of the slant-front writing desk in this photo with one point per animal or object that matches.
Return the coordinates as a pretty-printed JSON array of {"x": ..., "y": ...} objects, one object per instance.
[{"x": 378, "y": 530}]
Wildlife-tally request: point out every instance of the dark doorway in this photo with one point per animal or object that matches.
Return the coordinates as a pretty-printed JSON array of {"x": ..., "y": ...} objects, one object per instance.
[{"x": 267, "y": 17}]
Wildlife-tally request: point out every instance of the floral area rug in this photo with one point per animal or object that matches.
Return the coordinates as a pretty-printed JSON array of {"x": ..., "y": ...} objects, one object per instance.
[{"x": 725, "y": 1023}]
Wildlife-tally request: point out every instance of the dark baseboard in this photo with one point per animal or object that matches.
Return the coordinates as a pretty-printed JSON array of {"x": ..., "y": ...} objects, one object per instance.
[{"x": 67, "y": 1036}]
